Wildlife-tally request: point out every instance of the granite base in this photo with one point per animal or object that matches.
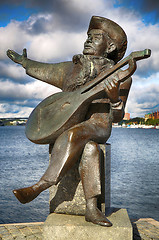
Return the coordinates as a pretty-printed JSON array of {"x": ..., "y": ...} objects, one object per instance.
[{"x": 68, "y": 227}]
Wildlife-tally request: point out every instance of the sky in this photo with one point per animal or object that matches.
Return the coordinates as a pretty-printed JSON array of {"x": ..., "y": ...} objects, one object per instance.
[{"x": 54, "y": 30}]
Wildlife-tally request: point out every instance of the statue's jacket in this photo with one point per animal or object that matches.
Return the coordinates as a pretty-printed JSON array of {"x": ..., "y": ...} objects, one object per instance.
[{"x": 68, "y": 76}]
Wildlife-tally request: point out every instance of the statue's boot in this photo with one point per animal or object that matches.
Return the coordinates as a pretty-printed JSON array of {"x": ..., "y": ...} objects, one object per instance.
[
  {"x": 94, "y": 215},
  {"x": 91, "y": 181},
  {"x": 25, "y": 195}
]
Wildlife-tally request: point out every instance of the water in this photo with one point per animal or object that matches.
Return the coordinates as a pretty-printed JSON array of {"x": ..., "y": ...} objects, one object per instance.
[
  {"x": 135, "y": 173},
  {"x": 22, "y": 163}
]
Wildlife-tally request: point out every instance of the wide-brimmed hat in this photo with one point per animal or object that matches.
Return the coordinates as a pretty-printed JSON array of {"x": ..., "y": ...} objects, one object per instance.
[{"x": 114, "y": 31}]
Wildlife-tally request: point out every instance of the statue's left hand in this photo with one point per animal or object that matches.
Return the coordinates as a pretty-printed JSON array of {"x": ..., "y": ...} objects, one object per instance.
[
  {"x": 17, "y": 58},
  {"x": 111, "y": 87}
]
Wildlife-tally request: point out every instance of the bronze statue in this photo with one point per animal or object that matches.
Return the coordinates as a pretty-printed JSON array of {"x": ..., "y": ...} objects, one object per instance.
[{"x": 95, "y": 92}]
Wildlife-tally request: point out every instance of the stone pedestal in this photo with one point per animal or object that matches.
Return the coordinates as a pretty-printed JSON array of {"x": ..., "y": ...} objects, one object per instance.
[
  {"x": 68, "y": 227},
  {"x": 68, "y": 197}
]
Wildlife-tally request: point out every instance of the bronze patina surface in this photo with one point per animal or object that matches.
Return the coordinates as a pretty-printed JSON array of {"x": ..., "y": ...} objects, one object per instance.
[{"x": 95, "y": 92}]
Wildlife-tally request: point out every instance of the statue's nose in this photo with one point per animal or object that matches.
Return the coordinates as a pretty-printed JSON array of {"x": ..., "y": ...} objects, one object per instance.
[{"x": 89, "y": 39}]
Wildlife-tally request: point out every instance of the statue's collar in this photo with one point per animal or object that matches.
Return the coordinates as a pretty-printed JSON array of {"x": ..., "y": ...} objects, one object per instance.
[{"x": 81, "y": 59}]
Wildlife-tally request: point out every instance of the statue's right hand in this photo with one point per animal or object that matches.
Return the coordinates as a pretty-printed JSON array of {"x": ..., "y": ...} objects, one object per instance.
[{"x": 15, "y": 57}]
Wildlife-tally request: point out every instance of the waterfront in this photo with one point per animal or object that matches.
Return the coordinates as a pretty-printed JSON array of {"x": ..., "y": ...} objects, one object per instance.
[{"x": 135, "y": 173}]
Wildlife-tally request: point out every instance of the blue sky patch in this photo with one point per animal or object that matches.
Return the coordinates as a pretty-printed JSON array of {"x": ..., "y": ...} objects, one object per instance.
[{"x": 14, "y": 12}]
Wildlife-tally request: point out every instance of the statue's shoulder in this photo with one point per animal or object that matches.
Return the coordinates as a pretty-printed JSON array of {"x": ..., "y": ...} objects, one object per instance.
[
  {"x": 63, "y": 68},
  {"x": 66, "y": 64}
]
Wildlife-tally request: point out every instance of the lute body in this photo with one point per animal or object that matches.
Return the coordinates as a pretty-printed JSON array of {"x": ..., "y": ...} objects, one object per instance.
[{"x": 55, "y": 114}]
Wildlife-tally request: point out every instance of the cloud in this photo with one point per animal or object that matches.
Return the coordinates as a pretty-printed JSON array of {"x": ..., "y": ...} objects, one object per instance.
[
  {"x": 146, "y": 37},
  {"x": 57, "y": 46},
  {"x": 53, "y": 35},
  {"x": 39, "y": 23},
  {"x": 140, "y": 36},
  {"x": 13, "y": 110},
  {"x": 33, "y": 90},
  {"x": 143, "y": 98},
  {"x": 10, "y": 2},
  {"x": 70, "y": 15},
  {"x": 12, "y": 37},
  {"x": 142, "y": 5},
  {"x": 13, "y": 71},
  {"x": 47, "y": 45},
  {"x": 20, "y": 99},
  {"x": 152, "y": 5}
]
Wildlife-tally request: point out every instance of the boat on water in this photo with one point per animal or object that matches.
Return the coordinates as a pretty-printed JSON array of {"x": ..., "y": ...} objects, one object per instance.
[
  {"x": 115, "y": 125},
  {"x": 140, "y": 126},
  {"x": 149, "y": 127}
]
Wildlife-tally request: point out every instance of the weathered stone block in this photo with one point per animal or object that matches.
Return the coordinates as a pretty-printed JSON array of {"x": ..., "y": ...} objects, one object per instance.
[{"x": 68, "y": 227}]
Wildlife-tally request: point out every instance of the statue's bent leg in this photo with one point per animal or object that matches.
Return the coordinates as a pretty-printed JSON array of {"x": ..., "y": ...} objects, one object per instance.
[
  {"x": 91, "y": 181},
  {"x": 66, "y": 151}
]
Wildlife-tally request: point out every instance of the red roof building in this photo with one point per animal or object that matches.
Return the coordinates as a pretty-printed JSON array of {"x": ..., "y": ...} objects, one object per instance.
[{"x": 126, "y": 116}]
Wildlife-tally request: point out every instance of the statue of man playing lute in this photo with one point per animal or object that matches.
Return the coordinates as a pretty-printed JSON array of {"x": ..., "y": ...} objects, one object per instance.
[{"x": 94, "y": 94}]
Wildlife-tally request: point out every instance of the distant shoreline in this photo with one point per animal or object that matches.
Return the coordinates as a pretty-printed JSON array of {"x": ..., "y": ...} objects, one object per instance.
[{"x": 13, "y": 121}]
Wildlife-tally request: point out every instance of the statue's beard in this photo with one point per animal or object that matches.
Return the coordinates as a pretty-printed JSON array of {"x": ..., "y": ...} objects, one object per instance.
[{"x": 91, "y": 66}]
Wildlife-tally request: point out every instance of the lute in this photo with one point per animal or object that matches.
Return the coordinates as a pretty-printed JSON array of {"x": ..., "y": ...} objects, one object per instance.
[{"x": 63, "y": 110}]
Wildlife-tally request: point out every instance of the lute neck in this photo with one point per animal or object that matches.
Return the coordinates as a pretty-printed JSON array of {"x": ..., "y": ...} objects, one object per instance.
[{"x": 134, "y": 56}]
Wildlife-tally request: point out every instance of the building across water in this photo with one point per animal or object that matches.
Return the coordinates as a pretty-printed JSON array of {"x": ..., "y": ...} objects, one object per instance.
[
  {"x": 126, "y": 116},
  {"x": 153, "y": 115}
]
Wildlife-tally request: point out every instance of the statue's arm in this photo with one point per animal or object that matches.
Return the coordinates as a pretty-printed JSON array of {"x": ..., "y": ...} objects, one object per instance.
[
  {"x": 53, "y": 74},
  {"x": 118, "y": 94},
  {"x": 118, "y": 111}
]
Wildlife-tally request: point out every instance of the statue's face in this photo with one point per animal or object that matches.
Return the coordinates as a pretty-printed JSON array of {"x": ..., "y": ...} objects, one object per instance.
[{"x": 96, "y": 43}]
